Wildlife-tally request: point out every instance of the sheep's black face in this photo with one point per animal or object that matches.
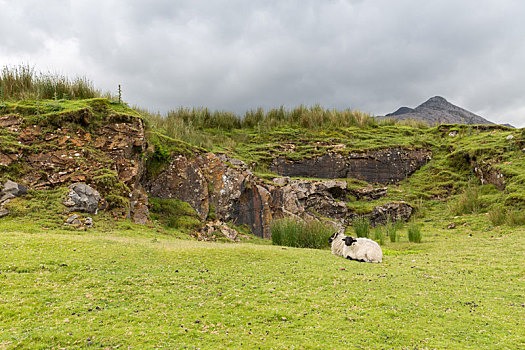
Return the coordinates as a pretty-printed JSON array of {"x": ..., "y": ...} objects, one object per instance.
[
  {"x": 332, "y": 237},
  {"x": 349, "y": 240}
]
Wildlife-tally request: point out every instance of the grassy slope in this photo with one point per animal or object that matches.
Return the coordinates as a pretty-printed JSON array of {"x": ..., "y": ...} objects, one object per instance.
[{"x": 124, "y": 288}]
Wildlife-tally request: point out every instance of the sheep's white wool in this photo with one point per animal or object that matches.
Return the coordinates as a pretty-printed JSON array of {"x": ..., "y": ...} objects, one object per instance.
[
  {"x": 338, "y": 244},
  {"x": 363, "y": 249}
]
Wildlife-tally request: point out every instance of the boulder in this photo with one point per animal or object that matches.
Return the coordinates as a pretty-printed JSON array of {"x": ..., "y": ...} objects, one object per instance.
[
  {"x": 73, "y": 220},
  {"x": 82, "y": 198},
  {"x": 6, "y": 197},
  {"x": 213, "y": 230},
  {"x": 11, "y": 187},
  {"x": 3, "y": 212},
  {"x": 88, "y": 222}
]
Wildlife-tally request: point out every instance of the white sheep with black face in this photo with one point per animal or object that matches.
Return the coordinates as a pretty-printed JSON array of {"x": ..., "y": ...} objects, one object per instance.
[
  {"x": 338, "y": 244},
  {"x": 361, "y": 249}
]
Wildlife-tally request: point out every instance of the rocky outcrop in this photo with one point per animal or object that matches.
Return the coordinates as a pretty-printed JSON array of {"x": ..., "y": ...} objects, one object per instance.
[
  {"x": 212, "y": 180},
  {"x": 240, "y": 197},
  {"x": 327, "y": 166},
  {"x": 184, "y": 180},
  {"x": 77, "y": 147},
  {"x": 307, "y": 199},
  {"x": 379, "y": 166},
  {"x": 487, "y": 174},
  {"x": 399, "y": 211},
  {"x": 369, "y": 193}
]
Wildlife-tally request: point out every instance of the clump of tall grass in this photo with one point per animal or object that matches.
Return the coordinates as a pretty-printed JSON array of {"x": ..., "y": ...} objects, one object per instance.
[
  {"x": 515, "y": 217},
  {"x": 300, "y": 234},
  {"x": 392, "y": 228},
  {"x": 361, "y": 226},
  {"x": 467, "y": 203},
  {"x": 497, "y": 215},
  {"x": 22, "y": 82},
  {"x": 414, "y": 233},
  {"x": 379, "y": 236}
]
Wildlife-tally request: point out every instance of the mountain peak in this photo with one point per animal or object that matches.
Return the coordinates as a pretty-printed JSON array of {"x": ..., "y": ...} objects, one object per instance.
[
  {"x": 437, "y": 110},
  {"x": 435, "y": 101}
]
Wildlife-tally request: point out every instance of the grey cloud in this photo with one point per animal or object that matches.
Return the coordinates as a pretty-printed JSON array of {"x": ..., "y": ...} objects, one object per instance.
[{"x": 238, "y": 55}]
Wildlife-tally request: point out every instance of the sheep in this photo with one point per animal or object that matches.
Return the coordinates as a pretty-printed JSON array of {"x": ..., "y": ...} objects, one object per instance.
[
  {"x": 362, "y": 249},
  {"x": 337, "y": 240}
]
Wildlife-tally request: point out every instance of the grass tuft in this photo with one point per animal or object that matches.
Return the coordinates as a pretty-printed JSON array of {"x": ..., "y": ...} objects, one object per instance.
[
  {"x": 379, "y": 236},
  {"x": 515, "y": 218},
  {"x": 300, "y": 234},
  {"x": 497, "y": 215},
  {"x": 414, "y": 233},
  {"x": 467, "y": 203},
  {"x": 361, "y": 226}
]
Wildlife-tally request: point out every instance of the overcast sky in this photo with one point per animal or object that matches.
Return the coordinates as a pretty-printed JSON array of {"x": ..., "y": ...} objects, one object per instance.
[{"x": 372, "y": 55}]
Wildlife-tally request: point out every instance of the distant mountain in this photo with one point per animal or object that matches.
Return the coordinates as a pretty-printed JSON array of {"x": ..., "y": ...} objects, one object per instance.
[{"x": 437, "y": 110}]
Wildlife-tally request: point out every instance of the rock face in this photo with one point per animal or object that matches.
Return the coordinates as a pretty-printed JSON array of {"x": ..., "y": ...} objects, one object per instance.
[
  {"x": 303, "y": 198},
  {"x": 240, "y": 197},
  {"x": 72, "y": 148},
  {"x": 212, "y": 180},
  {"x": 379, "y": 166},
  {"x": 82, "y": 198},
  {"x": 489, "y": 175},
  {"x": 438, "y": 110}
]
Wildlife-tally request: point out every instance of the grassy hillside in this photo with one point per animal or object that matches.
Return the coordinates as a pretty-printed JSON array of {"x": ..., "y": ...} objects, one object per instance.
[{"x": 133, "y": 288}]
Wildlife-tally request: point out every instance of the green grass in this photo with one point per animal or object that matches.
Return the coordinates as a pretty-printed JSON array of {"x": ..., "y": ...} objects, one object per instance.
[{"x": 68, "y": 289}]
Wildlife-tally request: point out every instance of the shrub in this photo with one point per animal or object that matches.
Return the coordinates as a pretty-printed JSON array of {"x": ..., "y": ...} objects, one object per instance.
[
  {"x": 414, "y": 233},
  {"x": 516, "y": 218},
  {"x": 467, "y": 203},
  {"x": 497, "y": 215},
  {"x": 361, "y": 226},
  {"x": 174, "y": 213},
  {"x": 301, "y": 234},
  {"x": 379, "y": 236}
]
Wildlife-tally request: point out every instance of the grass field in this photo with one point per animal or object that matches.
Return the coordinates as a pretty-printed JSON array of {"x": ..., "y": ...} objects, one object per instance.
[{"x": 135, "y": 288}]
